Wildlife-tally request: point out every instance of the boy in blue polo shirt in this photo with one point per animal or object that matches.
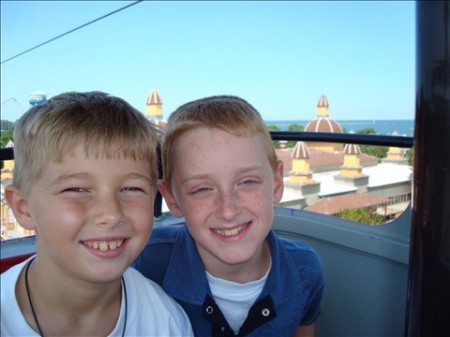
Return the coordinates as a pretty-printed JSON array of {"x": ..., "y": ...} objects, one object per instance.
[{"x": 227, "y": 268}]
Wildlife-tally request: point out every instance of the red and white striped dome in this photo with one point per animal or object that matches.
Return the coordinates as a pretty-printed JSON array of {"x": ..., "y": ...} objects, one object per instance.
[
  {"x": 300, "y": 151},
  {"x": 352, "y": 149},
  {"x": 323, "y": 124},
  {"x": 154, "y": 97}
]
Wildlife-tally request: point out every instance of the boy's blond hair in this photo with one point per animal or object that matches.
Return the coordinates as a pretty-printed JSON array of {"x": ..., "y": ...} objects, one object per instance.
[
  {"x": 229, "y": 113},
  {"x": 108, "y": 126}
]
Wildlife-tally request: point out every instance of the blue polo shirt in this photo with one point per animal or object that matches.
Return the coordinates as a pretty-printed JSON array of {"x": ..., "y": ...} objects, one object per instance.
[{"x": 290, "y": 297}]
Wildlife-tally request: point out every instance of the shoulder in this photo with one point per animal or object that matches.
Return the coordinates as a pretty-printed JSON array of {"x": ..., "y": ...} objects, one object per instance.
[
  {"x": 300, "y": 251},
  {"x": 299, "y": 256},
  {"x": 155, "y": 257},
  {"x": 292, "y": 245},
  {"x": 297, "y": 275},
  {"x": 151, "y": 309},
  {"x": 165, "y": 235},
  {"x": 147, "y": 293},
  {"x": 12, "y": 321},
  {"x": 9, "y": 277},
  {"x": 8, "y": 283}
]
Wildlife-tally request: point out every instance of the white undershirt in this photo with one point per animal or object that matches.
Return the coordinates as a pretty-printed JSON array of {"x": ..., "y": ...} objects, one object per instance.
[{"x": 235, "y": 299}]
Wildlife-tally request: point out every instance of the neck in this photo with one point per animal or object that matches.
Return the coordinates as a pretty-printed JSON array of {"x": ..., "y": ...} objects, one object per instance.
[
  {"x": 244, "y": 272},
  {"x": 60, "y": 311}
]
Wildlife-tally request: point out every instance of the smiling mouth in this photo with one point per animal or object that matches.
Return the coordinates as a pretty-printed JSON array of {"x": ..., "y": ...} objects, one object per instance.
[
  {"x": 104, "y": 246},
  {"x": 232, "y": 231}
]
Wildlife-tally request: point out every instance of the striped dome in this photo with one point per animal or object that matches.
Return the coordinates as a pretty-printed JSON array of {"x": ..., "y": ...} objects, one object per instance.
[
  {"x": 154, "y": 97},
  {"x": 300, "y": 151},
  {"x": 323, "y": 124},
  {"x": 323, "y": 102},
  {"x": 352, "y": 149}
]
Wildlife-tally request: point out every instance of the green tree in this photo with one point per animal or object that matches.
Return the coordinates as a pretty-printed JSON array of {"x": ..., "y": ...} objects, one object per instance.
[
  {"x": 362, "y": 215},
  {"x": 410, "y": 156},
  {"x": 376, "y": 151},
  {"x": 367, "y": 131},
  {"x": 6, "y": 125},
  {"x": 294, "y": 127},
  {"x": 273, "y": 127},
  {"x": 6, "y": 136}
]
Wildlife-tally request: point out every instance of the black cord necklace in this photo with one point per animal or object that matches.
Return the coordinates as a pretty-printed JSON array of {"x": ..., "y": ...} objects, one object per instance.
[{"x": 34, "y": 313}]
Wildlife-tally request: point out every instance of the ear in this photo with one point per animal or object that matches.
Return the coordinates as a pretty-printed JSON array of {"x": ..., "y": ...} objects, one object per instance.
[
  {"x": 171, "y": 202},
  {"x": 19, "y": 205},
  {"x": 278, "y": 187}
]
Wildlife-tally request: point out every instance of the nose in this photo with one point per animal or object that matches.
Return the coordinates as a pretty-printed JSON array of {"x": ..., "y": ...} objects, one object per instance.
[
  {"x": 108, "y": 210},
  {"x": 227, "y": 205}
]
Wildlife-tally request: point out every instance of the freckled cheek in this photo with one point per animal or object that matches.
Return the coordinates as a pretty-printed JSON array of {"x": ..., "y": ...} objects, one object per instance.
[
  {"x": 259, "y": 205},
  {"x": 197, "y": 212},
  {"x": 199, "y": 206}
]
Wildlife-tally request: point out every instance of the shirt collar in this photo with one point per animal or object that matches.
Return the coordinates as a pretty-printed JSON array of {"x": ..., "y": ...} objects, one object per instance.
[
  {"x": 185, "y": 268},
  {"x": 284, "y": 280}
]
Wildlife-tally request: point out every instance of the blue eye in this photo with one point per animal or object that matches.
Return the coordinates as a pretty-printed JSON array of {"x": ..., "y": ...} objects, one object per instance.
[
  {"x": 200, "y": 190},
  {"x": 250, "y": 182}
]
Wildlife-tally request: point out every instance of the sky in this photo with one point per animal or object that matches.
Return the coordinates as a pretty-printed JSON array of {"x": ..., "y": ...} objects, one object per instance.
[{"x": 281, "y": 56}]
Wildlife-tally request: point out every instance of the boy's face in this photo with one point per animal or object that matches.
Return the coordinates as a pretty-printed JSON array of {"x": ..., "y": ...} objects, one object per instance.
[
  {"x": 92, "y": 216},
  {"x": 225, "y": 187}
]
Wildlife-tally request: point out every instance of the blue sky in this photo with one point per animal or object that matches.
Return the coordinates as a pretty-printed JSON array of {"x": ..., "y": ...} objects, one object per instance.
[{"x": 279, "y": 55}]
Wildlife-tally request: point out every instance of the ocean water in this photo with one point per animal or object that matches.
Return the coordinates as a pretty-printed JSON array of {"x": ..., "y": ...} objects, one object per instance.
[{"x": 382, "y": 127}]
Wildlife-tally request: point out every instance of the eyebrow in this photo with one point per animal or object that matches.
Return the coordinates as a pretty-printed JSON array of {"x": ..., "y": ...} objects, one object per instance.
[
  {"x": 65, "y": 177},
  {"x": 83, "y": 175},
  {"x": 242, "y": 170},
  {"x": 139, "y": 176}
]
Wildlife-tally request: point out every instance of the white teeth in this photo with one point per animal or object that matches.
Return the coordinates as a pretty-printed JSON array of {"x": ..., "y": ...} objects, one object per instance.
[
  {"x": 230, "y": 232},
  {"x": 103, "y": 246}
]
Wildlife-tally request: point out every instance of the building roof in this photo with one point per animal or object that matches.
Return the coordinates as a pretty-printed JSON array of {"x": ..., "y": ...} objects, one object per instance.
[
  {"x": 300, "y": 151},
  {"x": 333, "y": 205},
  {"x": 323, "y": 102},
  {"x": 383, "y": 174},
  {"x": 321, "y": 160},
  {"x": 352, "y": 149},
  {"x": 154, "y": 97},
  {"x": 323, "y": 124}
]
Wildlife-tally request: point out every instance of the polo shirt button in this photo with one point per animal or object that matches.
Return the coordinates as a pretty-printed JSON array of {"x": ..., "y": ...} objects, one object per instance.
[
  {"x": 265, "y": 312},
  {"x": 209, "y": 310}
]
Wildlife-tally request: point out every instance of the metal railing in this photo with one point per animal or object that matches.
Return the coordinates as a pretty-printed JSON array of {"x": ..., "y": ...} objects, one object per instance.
[
  {"x": 344, "y": 138},
  {"x": 350, "y": 138}
]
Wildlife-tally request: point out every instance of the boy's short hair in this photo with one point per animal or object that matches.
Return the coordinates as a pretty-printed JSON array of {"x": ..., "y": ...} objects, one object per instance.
[
  {"x": 108, "y": 126},
  {"x": 229, "y": 113}
]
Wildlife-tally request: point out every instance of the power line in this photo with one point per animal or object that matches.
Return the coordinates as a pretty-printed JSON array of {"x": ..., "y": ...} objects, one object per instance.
[
  {"x": 15, "y": 100},
  {"x": 71, "y": 31}
]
